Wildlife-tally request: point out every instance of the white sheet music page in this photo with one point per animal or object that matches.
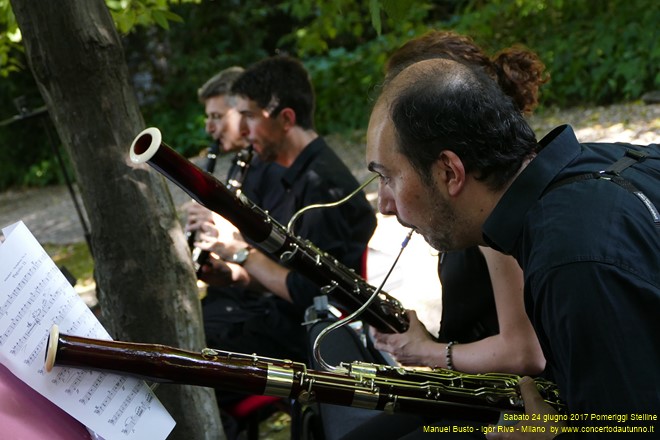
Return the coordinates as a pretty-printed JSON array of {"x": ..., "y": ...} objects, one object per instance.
[{"x": 34, "y": 295}]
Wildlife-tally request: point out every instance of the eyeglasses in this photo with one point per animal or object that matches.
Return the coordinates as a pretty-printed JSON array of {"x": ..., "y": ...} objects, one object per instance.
[
  {"x": 214, "y": 117},
  {"x": 273, "y": 106}
]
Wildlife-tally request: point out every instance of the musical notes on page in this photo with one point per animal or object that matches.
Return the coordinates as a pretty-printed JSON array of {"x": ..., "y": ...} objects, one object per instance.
[{"x": 34, "y": 295}]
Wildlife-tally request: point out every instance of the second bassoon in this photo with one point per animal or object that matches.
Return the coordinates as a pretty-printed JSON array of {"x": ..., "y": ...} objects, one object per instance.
[
  {"x": 436, "y": 393},
  {"x": 385, "y": 313}
]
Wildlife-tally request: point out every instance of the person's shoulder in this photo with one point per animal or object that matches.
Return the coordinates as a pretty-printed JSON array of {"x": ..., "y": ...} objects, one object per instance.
[{"x": 329, "y": 160}]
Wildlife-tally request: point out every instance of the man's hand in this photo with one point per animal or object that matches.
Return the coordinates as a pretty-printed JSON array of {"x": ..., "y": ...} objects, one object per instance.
[
  {"x": 537, "y": 410},
  {"x": 196, "y": 215},
  {"x": 220, "y": 237},
  {"x": 216, "y": 272},
  {"x": 409, "y": 348}
]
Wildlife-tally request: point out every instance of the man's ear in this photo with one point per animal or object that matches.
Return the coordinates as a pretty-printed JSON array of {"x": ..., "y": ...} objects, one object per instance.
[
  {"x": 451, "y": 172},
  {"x": 288, "y": 116}
]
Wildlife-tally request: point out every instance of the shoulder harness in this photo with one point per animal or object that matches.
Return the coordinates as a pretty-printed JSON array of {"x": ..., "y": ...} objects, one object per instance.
[{"x": 613, "y": 174}]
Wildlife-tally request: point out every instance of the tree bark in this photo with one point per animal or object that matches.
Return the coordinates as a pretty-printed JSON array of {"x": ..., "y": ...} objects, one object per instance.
[{"x": 145, "y": 280}]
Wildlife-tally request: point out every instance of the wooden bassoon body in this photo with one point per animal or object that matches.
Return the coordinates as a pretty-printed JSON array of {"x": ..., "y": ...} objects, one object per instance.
[
  {"x": 433, "y": 392},
  {"x": 385, "y": 313}
]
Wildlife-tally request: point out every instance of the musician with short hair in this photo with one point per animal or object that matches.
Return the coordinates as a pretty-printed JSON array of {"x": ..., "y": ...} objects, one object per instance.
[
  {"x": 222, "y": 119},
  {"x": 275, "y": 98},
  {"x": 222, "y": 123},
  {"x": 459, "y": 163},
  {"x": 484, "y": 327}
]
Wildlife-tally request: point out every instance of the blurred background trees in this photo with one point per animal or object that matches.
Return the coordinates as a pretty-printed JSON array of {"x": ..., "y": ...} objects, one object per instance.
[{"x": 597, "y": 52}]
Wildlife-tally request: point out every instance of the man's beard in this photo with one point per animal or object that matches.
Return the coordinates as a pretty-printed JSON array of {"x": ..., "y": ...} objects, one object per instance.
[
  {"x": 267, "y": 153},
  {"x": 443, "y": 224}
]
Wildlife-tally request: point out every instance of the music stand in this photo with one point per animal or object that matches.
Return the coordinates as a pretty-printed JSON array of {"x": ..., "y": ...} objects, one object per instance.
[{"x": 25, "y": 113}]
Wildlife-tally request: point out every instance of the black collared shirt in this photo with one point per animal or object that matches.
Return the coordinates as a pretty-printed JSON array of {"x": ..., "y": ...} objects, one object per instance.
[
  {"x": 590, "y": 252},
  {"x": 468, "y": 301},
  {"x": 317, "y": 175}
]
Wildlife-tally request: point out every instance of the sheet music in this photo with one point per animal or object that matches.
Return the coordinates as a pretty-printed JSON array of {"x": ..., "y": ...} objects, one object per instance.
[{"x": 34, "y": 295}]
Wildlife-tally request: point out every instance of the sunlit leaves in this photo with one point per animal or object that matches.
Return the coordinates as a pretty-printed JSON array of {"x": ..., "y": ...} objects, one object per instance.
[
  {"x": 332, "y": 22},
  {"x": 130, "y": 13},
  {"x": 127, "y": 14}
]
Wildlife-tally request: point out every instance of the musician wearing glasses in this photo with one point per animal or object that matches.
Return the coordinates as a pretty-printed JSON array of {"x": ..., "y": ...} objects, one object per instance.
[
  {"x": 222, "y": 123},
  {"x": 275, "y": 99},
  {"x": 222, "y": 118},
  {"x": 459, "y": 163}
]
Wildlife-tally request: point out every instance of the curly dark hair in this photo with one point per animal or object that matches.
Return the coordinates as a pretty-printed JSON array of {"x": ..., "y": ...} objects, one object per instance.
[
  {"x": 279, "y": 82},
  {"x": 518, "y": 71},
  {"x": 441, "y": 104}
]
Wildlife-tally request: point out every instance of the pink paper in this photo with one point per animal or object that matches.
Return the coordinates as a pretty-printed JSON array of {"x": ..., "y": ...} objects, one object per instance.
[{"x": 26, "y": 414}]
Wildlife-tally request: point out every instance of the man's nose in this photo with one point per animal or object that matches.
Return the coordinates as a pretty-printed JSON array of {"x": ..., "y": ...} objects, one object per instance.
[
  {"x": 209, "y": 126},
  {"x": 243, "y": 128},
  {"x": 386, "y": 204}
]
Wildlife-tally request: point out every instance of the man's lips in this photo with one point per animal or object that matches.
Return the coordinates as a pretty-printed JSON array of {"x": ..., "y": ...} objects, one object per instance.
[{"x": 406, "y": 225}]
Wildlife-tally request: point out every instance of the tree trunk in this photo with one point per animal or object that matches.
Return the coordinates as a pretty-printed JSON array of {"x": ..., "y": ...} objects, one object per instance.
[{"x": 144, "y": 274}]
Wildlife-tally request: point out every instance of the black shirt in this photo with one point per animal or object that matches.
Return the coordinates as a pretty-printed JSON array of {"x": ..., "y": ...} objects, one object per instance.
[
  {"x": 590, "y": 253},
  {"x": 468, "y": 302},
  {"x": 236, "y": 319},
  {"x": 319, "y": 176}
]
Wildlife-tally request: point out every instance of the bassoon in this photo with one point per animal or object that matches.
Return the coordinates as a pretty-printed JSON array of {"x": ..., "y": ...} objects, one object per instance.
[
  {"x": 437, "y": 392},
  {"x": 385, "y": 313}
]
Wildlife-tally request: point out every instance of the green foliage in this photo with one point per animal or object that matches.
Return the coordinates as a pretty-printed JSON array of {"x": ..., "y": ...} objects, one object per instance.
[
  {"x": 130, "y": 13},
  {"x": 146, "y": 12},
  {"x": 36, "y": 168},
  {"x": 597, "y": 52},
  {"x": 346, "y": 84},
  {"x": 41, "y": 174},
  {"x": 24, "y": 145},
  {"x": 345, "y": 55},
  {"x": 127, "y": 14},
  {"x": 23, "y": 141},
  {"x": 215, "y": 35},
  {"x": 397, "y": 10},
  {"x": 10, "y": 38}
]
